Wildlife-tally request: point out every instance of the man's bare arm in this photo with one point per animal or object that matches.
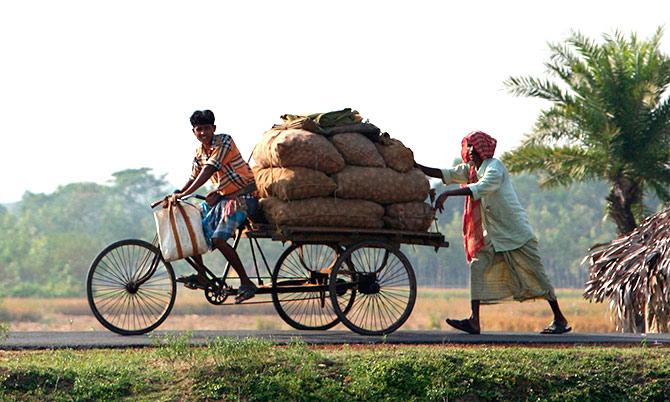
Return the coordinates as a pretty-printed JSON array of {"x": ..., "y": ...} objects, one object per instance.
[
  {"x": 196, "y": 183},
  {"x": 429, "y": 171},
  {"x": 439, "y": 203}
]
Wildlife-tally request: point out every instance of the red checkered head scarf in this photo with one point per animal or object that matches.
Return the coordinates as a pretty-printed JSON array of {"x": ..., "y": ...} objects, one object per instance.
[
  {"x": 484, "y": 144},
  {"x": 473, "y": 233}
]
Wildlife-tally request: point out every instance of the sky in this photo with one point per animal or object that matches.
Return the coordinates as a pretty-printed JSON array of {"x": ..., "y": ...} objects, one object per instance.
[{"x": 88, "y": 88}]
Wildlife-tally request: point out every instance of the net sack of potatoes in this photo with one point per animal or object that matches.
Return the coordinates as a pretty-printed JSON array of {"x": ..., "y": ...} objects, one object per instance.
[
  {"x": 293, "y": 183},
  {"x": 357, "y": 150},
  {"x": 381, "y": 185},
  {"x": 395, "y": 154},
  {"x": 297, "y": 148},
  {"x": 332, "y": 212},
  {"x": 411, "y": 216}
]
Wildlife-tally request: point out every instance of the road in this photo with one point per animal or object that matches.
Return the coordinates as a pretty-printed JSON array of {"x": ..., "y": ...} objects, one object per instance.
[{"x": 105, "y": 339}]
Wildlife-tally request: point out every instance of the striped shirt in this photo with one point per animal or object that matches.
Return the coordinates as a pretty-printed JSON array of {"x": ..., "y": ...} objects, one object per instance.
[{"x": 232, "y": 172}]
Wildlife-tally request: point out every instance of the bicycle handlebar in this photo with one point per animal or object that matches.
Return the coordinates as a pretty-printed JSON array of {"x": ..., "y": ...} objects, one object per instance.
[{"x": 198, "y": 196}]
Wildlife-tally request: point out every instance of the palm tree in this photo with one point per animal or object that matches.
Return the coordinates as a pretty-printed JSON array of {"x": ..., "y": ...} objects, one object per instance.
[{"x": 609, "y": 119}]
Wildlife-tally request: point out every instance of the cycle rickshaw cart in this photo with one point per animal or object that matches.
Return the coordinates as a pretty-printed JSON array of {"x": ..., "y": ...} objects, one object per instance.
[{"x": 325, "y": 276}]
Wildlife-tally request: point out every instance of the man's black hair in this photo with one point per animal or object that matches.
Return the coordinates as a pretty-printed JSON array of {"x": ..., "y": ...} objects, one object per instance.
[{"x": 202, "y": 117}]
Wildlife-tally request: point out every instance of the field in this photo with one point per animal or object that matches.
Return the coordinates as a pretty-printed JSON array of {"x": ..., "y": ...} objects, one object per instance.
[{"x": 193, "y": 312}]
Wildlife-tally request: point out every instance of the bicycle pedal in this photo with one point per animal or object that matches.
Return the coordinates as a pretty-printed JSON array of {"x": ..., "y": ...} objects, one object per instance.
[
  {"x": 191, "y": 282},
  {"x": 194, "y": 286}
]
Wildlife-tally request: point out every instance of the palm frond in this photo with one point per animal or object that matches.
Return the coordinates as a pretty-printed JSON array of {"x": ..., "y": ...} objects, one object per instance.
[
  {"x": 587, "y": 48},
  {"x": 553, "y": 128},
  {"x": 658, "y": 129},
  {"x": 557, "y": 165},
  {"x": 572, "y": 69},
  {"x": 537, "y": 88},
  {"x": 662, "y": 191}
]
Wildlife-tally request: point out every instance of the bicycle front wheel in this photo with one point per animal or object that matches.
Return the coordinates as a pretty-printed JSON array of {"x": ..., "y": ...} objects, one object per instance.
[{"x": 130, "y": 288}]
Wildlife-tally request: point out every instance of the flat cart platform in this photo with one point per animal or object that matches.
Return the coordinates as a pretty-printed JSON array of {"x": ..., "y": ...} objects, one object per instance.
[{"x": 343, "y": 236}]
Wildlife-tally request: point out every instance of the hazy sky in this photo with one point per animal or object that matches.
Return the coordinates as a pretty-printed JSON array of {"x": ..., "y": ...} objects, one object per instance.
[{"x": 88, "y": 88}]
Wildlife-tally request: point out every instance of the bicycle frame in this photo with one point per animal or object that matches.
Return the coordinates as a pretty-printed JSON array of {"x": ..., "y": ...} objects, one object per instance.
[
  {"x": 219, "y": 282},
  {"x": 152, "y": 268}
]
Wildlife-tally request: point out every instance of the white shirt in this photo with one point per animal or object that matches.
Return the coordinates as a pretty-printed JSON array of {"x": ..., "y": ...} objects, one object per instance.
[{"x": 504, "y": 220}]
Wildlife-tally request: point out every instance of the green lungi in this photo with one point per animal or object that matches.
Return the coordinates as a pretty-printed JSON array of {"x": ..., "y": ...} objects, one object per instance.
[{"x": 516, "y": 274}]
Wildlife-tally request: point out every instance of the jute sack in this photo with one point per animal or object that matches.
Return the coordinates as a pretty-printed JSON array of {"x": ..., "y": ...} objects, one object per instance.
[
  {"x": 411, "y": 216},
  {"x": 293, "y": 183},
  {"x": 332, "y": 212},
  {"x": 291, "y": 148},
  {"x": 381, "y": 185},
  {"x": 180, "y": 233},
  {"x": 396, "y": 155},
  {"x": 357, "y": 150}
]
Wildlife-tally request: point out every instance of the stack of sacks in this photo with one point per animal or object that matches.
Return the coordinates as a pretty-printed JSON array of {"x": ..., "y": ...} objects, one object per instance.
[{"x": 345, "y": 180}]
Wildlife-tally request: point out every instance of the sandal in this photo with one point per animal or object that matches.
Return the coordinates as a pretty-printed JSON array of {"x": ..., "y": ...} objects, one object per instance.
[
  {"x": 245, "y": 292},
  {"x": 556, "y": 328},
  {"x": 463, "y": 325},
  {"x": 194, "y": 281}
]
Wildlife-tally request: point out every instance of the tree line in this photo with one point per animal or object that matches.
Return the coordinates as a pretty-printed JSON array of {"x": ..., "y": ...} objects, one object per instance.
[
  {"x": 600, "y": 149},
  {"x": 47, "y": 241}
]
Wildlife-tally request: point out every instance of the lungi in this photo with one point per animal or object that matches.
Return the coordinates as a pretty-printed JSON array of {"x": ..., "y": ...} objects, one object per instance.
[
  {"x": 221, "y": 221},
  {"x": 516, "y": 274}
]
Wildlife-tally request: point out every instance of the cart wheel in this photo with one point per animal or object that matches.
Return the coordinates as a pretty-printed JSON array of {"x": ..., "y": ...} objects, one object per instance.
[
  {"x": 385, "y": 288},
  {"x": 130, "y": 288},
  {"x": 306, "y": 265}
]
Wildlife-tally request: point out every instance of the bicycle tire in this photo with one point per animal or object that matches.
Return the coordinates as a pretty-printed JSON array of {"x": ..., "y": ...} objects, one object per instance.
[
  {"x": 114, "y": 296},
  {"x": 386, "y": 302},
  {"x": 301, "y": 264}
]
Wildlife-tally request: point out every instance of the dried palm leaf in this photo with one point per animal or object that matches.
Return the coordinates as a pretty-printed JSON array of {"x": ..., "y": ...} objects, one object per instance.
[{"x": 633, "y": 272}]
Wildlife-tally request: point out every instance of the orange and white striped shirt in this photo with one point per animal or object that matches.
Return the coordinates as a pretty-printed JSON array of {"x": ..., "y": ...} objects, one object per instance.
[{"x": 232, "y": 171}]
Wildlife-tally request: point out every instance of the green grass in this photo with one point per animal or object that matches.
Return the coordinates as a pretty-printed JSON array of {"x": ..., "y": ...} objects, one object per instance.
[{"x": 256, "y": 370}]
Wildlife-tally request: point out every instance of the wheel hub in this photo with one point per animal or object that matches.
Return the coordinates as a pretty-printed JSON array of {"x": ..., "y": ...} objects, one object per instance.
[
  {"x": 132, "y": 287},
  {"x": 367, "y": 283},
  {"x": 342, "y": 288}
]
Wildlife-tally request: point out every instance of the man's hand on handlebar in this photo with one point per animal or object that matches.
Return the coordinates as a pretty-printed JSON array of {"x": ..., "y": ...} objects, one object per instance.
[
  {"x": 174, "y": 197},
  {"x": 163, "y": 201}
]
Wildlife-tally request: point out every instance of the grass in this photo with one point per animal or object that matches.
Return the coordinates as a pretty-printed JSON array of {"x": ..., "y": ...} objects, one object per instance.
[
  {"x": 193, "y": 312},
  {"x": 256, "y": 370}
]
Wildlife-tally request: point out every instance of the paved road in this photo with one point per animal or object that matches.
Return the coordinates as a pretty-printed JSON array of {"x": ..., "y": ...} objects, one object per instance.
[{"x": 104, "y": 339}]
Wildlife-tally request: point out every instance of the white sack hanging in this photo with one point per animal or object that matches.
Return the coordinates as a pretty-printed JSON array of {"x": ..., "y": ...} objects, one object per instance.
[{"x": 180, "y": 233}]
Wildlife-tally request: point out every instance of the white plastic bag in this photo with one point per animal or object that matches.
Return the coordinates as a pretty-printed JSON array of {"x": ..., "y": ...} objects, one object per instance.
[{"x": 180, "y": 233}]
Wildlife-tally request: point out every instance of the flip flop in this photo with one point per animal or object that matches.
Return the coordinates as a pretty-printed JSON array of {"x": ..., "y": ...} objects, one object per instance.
[
  {"x": 463, "y": 325},
  {"x": 245, "y": 292},
  {"x": 556, "y": 329}
]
